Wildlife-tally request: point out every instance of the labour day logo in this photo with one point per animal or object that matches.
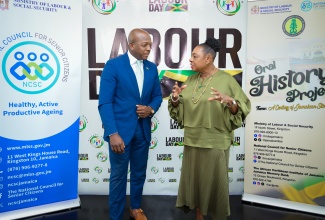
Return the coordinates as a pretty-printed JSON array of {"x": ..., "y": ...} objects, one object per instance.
[
  {"x": 168, "y": 6},
  {"x": 31, "y": 67},
  {"x": 105, "y": 7},
  {"x": 228, "y": 7}
]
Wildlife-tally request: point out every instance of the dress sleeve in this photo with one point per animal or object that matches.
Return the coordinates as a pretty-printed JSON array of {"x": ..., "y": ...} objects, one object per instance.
[
  {"x": 244, "y": 108},
  {"x": 177, "y": 113}
]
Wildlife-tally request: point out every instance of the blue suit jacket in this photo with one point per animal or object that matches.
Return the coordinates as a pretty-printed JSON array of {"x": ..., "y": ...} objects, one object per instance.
[{"x": 119, "y": 95}]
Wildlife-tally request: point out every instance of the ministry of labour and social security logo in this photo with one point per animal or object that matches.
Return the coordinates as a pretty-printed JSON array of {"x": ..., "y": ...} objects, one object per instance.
[
  {"x": 153, "y": 143},
  {"x": 255, "y": 10},
  {"x": 82, "y": 123},
  {"x": 228, "y": 7},
  {"x": 293, "y": 25},
  {"x": 96, "y": 141},
  {"x": 4, "y": 4},
  {"x": 180, "y": 156},
  {"x": 105, "y": 7},
  {"x": 102, "y": 156},
  {"x": 306, "y": 6},
  {"x": 30, "y": 67},
  {"x": 154, "y": 124}
]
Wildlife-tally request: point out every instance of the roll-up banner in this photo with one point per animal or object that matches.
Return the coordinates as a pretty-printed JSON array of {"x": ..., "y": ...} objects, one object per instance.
[
  {"x": 40, "y": 57},
  {"x": 285, "y": 163},
  {"x": 176, "y": 27}
]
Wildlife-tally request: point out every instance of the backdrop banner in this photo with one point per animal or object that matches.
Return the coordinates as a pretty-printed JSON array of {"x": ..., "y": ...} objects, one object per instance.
[
  {"x": 176, "y": 27},
  {"x": 40, "y": 57},
  {"x": 286, "y": 83}
]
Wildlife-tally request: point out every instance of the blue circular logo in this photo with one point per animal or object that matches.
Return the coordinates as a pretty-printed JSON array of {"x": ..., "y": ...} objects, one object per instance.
[
  {"x": 306, "y": 6},
  {"x": 31, "y": 67}
]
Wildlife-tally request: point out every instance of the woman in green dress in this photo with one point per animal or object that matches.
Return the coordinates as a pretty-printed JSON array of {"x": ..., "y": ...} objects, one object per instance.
[{"x": 210, "y": 105}]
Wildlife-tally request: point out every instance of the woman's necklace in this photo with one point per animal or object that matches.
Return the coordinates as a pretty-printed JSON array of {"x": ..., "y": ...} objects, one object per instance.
[{"x": 195, "y": 91}]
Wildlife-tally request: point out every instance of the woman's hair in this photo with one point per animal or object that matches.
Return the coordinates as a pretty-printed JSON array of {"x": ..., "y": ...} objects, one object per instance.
[{"x": 211, "y": 46}]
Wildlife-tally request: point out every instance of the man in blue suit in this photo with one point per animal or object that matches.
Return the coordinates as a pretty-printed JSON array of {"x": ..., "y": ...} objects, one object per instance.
[{"x": 128, "y": 98}]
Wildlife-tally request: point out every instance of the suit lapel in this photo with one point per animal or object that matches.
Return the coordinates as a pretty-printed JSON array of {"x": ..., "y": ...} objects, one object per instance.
[{"x": 130, "y": 74}]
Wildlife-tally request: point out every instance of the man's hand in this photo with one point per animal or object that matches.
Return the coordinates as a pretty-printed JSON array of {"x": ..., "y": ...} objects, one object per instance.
[
  {"x": 143, "y": 111},
  {"x": 116, "y": 143}
]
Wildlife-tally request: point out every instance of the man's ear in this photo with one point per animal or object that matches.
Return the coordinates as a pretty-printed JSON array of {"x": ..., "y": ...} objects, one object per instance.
[{"x": 131, "y": 46}]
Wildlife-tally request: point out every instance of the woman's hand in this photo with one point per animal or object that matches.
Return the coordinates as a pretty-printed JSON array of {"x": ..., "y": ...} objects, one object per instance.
[
  {"x": 177, "y": 90},
  {"x": 220, "y": 97},
  {"x": 174, "y": 96}
]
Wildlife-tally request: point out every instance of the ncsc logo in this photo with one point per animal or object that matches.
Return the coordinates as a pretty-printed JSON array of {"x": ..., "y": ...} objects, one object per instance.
[
  {"x": 31, "y": 67},
  {"x": 306, "y": 6}
]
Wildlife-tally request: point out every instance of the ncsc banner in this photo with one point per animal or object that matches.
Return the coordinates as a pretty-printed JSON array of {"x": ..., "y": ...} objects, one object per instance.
[{"x": 39, "y": 109}]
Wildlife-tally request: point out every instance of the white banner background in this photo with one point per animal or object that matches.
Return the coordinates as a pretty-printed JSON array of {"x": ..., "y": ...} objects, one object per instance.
[
  {"x": 284, "y": 140},
  {"x": 99, "y": 32}
]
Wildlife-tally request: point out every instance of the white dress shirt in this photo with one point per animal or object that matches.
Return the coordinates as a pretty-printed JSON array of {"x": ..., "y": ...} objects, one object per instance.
[{"x": 138, "y": 71}]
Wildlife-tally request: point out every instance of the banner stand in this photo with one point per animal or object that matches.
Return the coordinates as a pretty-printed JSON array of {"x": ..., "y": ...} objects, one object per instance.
[
  {"x": 283, "y": 204},
  {"x": 38, "y": 210}
]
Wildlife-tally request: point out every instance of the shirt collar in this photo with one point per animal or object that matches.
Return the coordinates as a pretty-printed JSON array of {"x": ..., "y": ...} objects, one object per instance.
[{"x": 132, "y": 58}]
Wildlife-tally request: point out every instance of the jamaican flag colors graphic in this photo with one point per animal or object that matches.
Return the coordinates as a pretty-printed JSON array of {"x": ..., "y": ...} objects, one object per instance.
[
  {"x": 169, "y": 77},
  {"x": 310, "y": 191},
  {"x": 176, "y": 7}
]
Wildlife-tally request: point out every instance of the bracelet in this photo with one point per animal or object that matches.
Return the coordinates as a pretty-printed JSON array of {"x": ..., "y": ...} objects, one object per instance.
[
  {"x": 171, "y": 97},
  {"x": 233, "y": 102}
]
